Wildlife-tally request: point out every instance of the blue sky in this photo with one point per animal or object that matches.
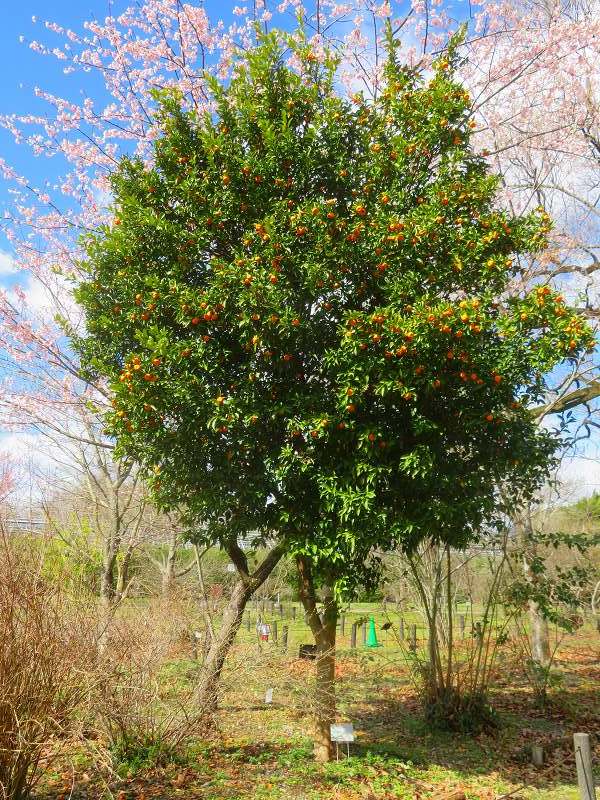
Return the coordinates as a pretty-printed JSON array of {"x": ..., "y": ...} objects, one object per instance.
[{"x": 21, "y": 69}]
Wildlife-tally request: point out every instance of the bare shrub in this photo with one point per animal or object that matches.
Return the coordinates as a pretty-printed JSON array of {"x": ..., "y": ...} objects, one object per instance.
[
  {"x": 43, "y": 650},
  {"x": 145, "y": 696}
]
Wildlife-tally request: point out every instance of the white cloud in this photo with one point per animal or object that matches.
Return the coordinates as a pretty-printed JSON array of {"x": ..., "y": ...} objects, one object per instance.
[
  {"x": 7, "y": 264},
  {"x": 579, "y": 477}
]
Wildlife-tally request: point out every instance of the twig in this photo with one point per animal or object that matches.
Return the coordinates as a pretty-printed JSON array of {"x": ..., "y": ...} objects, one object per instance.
[{"x": 514, "y": 791}]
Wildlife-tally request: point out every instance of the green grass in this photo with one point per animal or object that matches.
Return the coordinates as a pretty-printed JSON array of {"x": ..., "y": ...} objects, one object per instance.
[{"x": 265, "y": 751}]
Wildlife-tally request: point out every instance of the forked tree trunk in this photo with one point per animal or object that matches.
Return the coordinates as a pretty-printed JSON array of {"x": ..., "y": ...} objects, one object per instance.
[
  {"x": 221, "y": 644},
  {"x": 168, "y": 576},
  {"x": 247, "y": 583},
  {"x": 324, "y": 631}
]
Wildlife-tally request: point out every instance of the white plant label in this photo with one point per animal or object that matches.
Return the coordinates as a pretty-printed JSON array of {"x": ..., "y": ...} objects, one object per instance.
[{"x": 342, "y": 732}]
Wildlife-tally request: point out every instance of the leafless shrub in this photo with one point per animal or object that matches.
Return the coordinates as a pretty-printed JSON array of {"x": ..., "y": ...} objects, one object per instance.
[
  {"x": 43, "y": 655},
  {"x": 145, "y": 698}
]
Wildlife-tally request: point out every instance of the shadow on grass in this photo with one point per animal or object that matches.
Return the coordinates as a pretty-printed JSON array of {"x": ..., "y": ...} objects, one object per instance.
[{"x": 391, "y": 728}]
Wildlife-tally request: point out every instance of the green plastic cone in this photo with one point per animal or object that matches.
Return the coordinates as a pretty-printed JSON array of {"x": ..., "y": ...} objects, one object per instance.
[{"x": 372, "y": 635}]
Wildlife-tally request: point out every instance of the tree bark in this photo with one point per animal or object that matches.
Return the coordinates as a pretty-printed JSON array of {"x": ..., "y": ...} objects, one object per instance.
[
  {"x": 107, "y": 578},
  {"x": 123, "y": 574},
  {"x": 168, "y": 576},
  {"x": 324, "y": 632},
  {"x": 220, "y": 645},
  {"x": 539, "y": 632},
  {"x": 325, "y": 693},
  {"x": 247, "y": 583},
  {"x": 540, "y": 635}
]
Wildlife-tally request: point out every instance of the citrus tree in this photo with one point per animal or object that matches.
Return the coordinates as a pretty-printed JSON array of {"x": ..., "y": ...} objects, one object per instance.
[{"x": 301, "y": 308}]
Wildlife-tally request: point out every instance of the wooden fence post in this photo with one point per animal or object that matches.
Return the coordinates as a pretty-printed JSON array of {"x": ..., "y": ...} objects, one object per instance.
[
  {"x": 413, "y": 638},
  {"x": 284, "y": 637},
  {"x": 353, "y": 636},
  {"x": 583, "y": 760}
]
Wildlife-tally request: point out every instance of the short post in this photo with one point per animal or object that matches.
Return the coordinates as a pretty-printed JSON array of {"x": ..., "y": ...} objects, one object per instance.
[
  {"x": 342, "y": 624},
  {"x": 583, "y": 760},
  {"x": 248, "y": 623},
  {"x": 353, "y": 636},
  {"x": 413, "y": 638},
  {"x": 284, "y": 637},
  {"x": 293, "y": 612},
  {"x": 537, "y": 755},
  {"x": 275, "y": 631},
  {"x": 281, "y": 610},
  {"x": 461, "y": 625},
  {"x": 401, "y": 629},
  {"x": 363, "y": 628}
]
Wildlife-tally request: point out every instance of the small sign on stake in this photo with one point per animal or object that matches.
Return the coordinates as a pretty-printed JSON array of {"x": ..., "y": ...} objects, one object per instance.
[
  {"x": 342, "y": 733},
  {"x": 269, "y": 696}
]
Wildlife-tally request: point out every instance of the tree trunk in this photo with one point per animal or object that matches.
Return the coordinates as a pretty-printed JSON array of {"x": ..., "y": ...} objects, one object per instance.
[
  {"x": 540, "y": 635},
  {"x": 223, "y": 638},
  {"x": 123, "y": 575},
  {"x": 221, "y": 644},
  {"x": 325, "y": 691},
  {"x": 324, "y": 631},
  {"x": 107, "y": 578},
  {"x": 107, "y": 599},
  {"x": 168, "y": 576}
]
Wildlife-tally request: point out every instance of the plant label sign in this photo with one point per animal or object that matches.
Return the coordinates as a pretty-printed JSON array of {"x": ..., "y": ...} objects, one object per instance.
[
  {"x": 269, "y": 696},
  {"x": 342, "y": 733}
]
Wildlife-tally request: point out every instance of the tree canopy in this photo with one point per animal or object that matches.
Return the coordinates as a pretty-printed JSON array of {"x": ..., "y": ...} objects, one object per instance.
[{"x": 301, "y": 307}]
